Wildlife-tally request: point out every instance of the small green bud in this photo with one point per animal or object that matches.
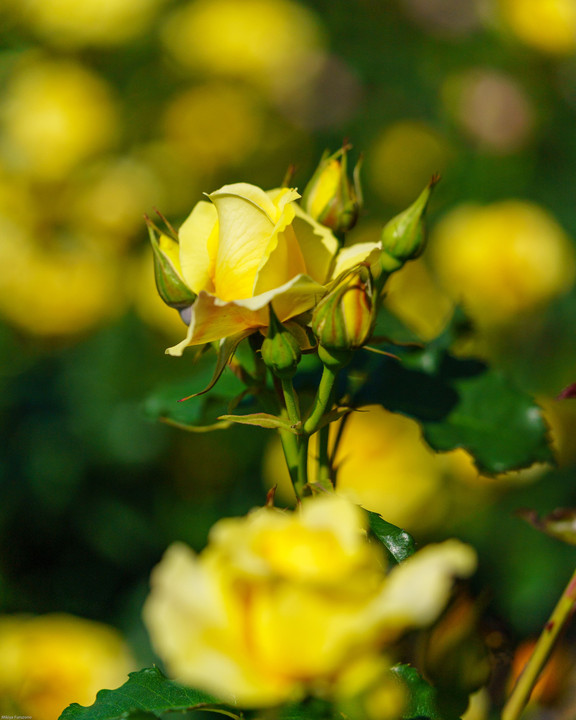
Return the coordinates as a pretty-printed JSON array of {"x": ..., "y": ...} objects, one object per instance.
[
  {"x": 344, "y": 319},
  {"x": 330, "y": 196},
  {"x": 169, "y": 282},
  {"x": 404, "y": 237},
  {"x": 280, "y": 350}
]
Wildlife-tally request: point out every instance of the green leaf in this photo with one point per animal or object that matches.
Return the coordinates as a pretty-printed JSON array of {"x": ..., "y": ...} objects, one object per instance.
[
  {"x": 261, "y": 420},
  {"x": 197, "y": 413},
  {"x": 422, "y": 697},
  {"x": 146, "y": 692},
  {"x": 398, "y": 542},
  {"x": 461, "y": 403}
]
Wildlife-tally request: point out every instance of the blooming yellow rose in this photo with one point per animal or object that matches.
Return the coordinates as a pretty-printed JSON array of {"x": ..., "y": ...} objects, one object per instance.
[
  {"x": 53, "y": 660},
  {"x": 282, "y": 604},
  {"x": 247, "y": 248}
]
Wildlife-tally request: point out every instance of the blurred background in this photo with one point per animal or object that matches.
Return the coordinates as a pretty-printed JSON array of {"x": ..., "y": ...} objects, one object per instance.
[{"x": 110, "y": 109}]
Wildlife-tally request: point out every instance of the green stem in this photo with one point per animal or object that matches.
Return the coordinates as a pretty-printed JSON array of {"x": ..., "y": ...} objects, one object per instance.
[
  {"x": 291, "y": 449},
  {"x": 323, "y": 401},
  {"x": 291, "y": 400},
  {"x": 542, "y": 651},
  {"x": 324, "y": 466},
  {"x": 295, "y": 446}
]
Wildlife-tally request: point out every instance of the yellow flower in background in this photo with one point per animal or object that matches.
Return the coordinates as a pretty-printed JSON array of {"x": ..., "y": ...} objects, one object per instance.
[
  {"x": 414, "y": 296},
  {"x": 55, "y": 115},
  {"x": 245, "y": 249},
  {"x": 547, "y": 25},
  {"x": 402, "y": 160},
  {"x": 267, "y": 42},
  {"x": 281, "y": 604},
  {"x": 384, "y": 464},
  {"x": 51, "y": 661},
  {"x": 213, "y": 125},
  {"x": 74, "y": 23},
  {"x": 502, "y": 259},
  {"x": 56, "y": 292},
  {"x": 109, "y": 198}
]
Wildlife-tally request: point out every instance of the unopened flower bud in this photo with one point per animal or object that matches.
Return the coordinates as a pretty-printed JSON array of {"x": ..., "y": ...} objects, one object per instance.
[
  {"x": 404, "y": 237},
  {"x": 280, "y": 350},
  {"x": 331, "y": 197},
  {"x": 344, "y": 319},
  {"x": 169, "y": 282}
]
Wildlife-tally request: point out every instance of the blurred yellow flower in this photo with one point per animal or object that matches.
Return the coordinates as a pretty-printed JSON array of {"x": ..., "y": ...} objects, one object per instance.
[
  {"x": 267, "y": 42},
  {"x": 414, "y": 296},
  {"x": 281, "y": 604},
  {"x": 247, "y": 248},
  {"x": 109, "y": 199},
  {"x": 384, "y": 464},
  {"x": 51, "y": 661},
  {"x": 55, "y": 114},
  {"x": 213, "y": 125},
  {"x": 402, "y": 160},
  {"x": 547, "y": 25},
  {"x": 73, "y": 23},
  {"x": 502, "y": 259},
  {"x": 56, "y": 292}
]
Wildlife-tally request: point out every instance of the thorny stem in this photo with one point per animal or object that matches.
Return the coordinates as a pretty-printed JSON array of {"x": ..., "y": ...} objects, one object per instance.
[{"x": 542, "y": 651}]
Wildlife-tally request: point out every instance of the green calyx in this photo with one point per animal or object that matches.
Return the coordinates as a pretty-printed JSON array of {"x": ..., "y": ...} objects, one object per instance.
[
  {"x": 280, "y": 350},
  {"x": 169, "y": 283},
  {"x": 404, "y": 237}
]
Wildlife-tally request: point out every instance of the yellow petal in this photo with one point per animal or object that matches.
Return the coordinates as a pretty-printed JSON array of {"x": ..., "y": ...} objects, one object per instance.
[
  {"x": 198, "y": 238},
  {"x": 247, "y": 219},
  {"x": 283, "y": 263},
  {"x": 418, "y": 589},
  {"x": 317, "y": 244},
  {"x": 213, "y": 319}
]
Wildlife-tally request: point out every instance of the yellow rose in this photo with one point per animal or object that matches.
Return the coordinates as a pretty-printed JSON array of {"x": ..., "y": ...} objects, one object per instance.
[
  {"x": 283, "y": 604},
  {"x": 51, "y": 661},
  {"x": 502, "y": 259},
  {"x": 56, "y": 114},
  {"x": 247, "y": 248}
]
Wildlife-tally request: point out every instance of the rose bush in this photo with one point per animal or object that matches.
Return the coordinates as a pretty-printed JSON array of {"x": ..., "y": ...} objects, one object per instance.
[
  {"x": 281, "y": 604},
  {"x": 244, "y": 249}
]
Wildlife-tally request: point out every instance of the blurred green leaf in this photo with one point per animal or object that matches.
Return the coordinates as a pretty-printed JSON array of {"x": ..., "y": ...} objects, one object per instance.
[
  {"x": 147, "y": 691},
  {"x": 461, "y": 403},
  {"x": 166, "y": 403},
  {"x": 398, "y": 542}
]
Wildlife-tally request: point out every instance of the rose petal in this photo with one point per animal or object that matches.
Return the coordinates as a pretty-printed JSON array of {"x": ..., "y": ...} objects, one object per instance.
[
  {"x": 198, "y": 238},
  {"x": 418, "y": 588},
  {"x": 248, "y": 219},
  {"x": 317, "y": 243},
  {"x": 350, "y": 256},
  {"x": 213, "y": 318}
]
